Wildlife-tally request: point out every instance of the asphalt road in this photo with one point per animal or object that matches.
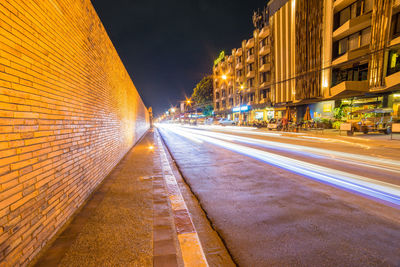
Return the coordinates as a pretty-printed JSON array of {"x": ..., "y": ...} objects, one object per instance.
[{"x": 294, "y": 200}]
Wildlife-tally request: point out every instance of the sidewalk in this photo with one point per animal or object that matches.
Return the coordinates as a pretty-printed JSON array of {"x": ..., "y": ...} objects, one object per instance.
[{"x": 129, "y": 220}]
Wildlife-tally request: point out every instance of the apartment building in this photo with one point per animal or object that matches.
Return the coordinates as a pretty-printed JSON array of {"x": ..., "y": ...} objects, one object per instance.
[{"x": 319, "y": 54}]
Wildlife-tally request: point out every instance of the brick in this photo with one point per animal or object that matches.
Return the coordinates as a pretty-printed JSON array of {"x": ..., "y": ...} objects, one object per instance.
[{"x": 65, "y": 120}]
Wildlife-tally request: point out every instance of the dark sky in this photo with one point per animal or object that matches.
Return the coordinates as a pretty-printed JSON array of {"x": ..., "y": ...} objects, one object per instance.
[{"x": 168, "y": 46}]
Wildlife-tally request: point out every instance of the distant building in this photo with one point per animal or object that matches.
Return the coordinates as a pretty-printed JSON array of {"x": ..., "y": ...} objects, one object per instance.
[{"x": 313, "y": 53}]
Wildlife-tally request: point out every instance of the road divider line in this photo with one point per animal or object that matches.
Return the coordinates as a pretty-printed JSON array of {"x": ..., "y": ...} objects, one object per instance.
[{"x": 188, "y": 239}]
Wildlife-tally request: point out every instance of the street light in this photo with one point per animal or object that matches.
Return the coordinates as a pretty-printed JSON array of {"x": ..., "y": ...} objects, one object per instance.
[
  {"x": 224, "y": 77},
  {"x": 173, "y": 110}
]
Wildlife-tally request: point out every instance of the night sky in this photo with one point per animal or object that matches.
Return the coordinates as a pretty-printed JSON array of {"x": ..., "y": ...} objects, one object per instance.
[{"x": 168, "y": 46}]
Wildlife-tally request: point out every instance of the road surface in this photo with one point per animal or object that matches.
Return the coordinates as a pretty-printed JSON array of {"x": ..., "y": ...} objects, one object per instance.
[{"x": 294, "y": 200}]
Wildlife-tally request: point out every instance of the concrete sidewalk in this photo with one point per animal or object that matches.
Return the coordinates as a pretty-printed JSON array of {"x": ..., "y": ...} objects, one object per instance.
[{"x": 128, "y": 221}]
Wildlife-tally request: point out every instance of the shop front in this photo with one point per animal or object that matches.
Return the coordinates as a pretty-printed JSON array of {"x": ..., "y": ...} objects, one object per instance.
[
  {"x": 394, "y": 103},
  {"x": 242, "y": 115}
]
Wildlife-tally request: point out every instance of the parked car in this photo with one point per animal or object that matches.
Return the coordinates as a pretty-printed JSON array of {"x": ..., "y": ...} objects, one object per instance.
[
  {"x": 225, "y": 122},
  {"x": 209, "y": 121},
  {"x": 371, "y": 120}
]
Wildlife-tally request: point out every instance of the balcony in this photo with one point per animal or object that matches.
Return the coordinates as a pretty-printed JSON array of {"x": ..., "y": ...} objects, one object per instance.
[
  {"x": 352, "y": 54},
  {"x": 230, "y": 59},
  {"x": 264, "y": 85},
  {"x": 392, "y": 80},
  {"x": 239, "y": 66},
  {"x": 352, "y": 26},
  {"x": 250, "y": 74},
  {"x": 239, "y": 80},
  {"x": 340, "y": 4},
  {"x": 250, "y": 59},
  {"x": 250, "y": 43},
  {"x": 265, "y": 32},
  {"x": 349, "y": 88},
  {"x": 266, "y": 49},
  {"x": 265, "y": 67},
  {"x": 239, "y": 52}
]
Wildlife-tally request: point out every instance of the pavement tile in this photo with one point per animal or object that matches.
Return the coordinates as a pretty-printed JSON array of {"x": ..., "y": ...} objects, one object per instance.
[
  {"x": 165, "y": 261},
  {"x": 162, "y": 221},
  {"x": 164, "y": 247},
  {"x": 183, "y": 223},
  {"x": 162, "y": 233}
]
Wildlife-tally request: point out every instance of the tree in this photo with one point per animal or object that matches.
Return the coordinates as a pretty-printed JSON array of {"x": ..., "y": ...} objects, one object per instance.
[
  {"x": 203, "y": 95},
  {"x": 203, "y": 92}
]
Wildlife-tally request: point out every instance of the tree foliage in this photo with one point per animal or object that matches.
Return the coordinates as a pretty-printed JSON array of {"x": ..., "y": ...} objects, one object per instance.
[{"x": 203, "y": 92}]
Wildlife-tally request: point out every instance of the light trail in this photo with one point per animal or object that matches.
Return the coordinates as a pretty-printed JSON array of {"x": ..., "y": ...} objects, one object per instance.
[
  {"x": 369, "y": 187},
  {"x": 361, "y": 160},
  {"x": 250, "y": 131}
]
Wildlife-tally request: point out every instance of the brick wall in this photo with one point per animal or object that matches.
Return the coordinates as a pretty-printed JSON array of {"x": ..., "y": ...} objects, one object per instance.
[{"x": 68, "y": 113}]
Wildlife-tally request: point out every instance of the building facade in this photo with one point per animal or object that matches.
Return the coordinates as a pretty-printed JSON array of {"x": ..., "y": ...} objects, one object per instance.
[{"x": 319, "y": 54}]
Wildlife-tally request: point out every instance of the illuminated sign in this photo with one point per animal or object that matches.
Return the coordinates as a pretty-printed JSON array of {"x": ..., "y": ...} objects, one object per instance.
[
  {"x": 259, "y": 115},
  {"x": 242, "y": 108},
  {"x": 220, "y": 58},
  {"x": 327, "y": 107}
]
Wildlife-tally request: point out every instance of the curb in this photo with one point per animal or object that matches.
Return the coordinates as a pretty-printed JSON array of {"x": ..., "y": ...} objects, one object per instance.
[{"x": 188, "y": 239}]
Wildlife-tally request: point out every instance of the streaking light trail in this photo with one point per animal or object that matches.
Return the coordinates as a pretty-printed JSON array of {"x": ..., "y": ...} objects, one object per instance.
[
  {"x": 368, "y": 161},
  {"x": 370, "y": 187}
]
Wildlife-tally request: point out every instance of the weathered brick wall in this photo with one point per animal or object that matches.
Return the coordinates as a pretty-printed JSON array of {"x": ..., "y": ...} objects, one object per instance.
[{"x": 68, "y": 113}]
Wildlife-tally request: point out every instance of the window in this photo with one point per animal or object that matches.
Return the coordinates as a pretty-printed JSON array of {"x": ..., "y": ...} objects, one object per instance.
[
  {"x": 264, "y": 42},
  {"x": 366, "y": 36},
  {"x": 395, "y": 25},
  {"x": 231, "y": 101},
  {"x": 344, "y": 16},
  {"x": 239, "y": 59},
  {"x": 230, "y": 90},
  {"x": 223, "y": 93},
  {"x": 223, "y": 103},
  {"x": 368, "y": 6},
  {"x": 239, "y": 73},
  {"x": 250, "y": 82},
  {"x": 393, "y": 62},
  {"x": 250, "y": 52},
  {"x": 265, "y": 77},
  {"x": 342, "y": 47},
  {"x": 355, "y": 73},
  {"x": 264, "y": 93},
  {"x": 217, "y": 105},
  {"x": 216, "y": 95},
  {"x": 354, "y": 10},
  {"x": 251, "y": 97},
  {"x": 354, "y": 41},
  {"x": 250, "y": 67},
  {"x": 265, "y": 59}
]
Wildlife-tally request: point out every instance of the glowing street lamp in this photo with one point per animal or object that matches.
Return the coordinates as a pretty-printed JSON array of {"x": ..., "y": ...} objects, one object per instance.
[{"x": 224, "y": 77}]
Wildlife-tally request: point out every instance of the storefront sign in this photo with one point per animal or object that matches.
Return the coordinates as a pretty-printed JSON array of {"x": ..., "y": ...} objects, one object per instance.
[
  {"x": 242, "y": 108},
  {"x": 327, "y": 107},
  {"x": 259, "y": 115},
  {"x": 270, "y": 114}
]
